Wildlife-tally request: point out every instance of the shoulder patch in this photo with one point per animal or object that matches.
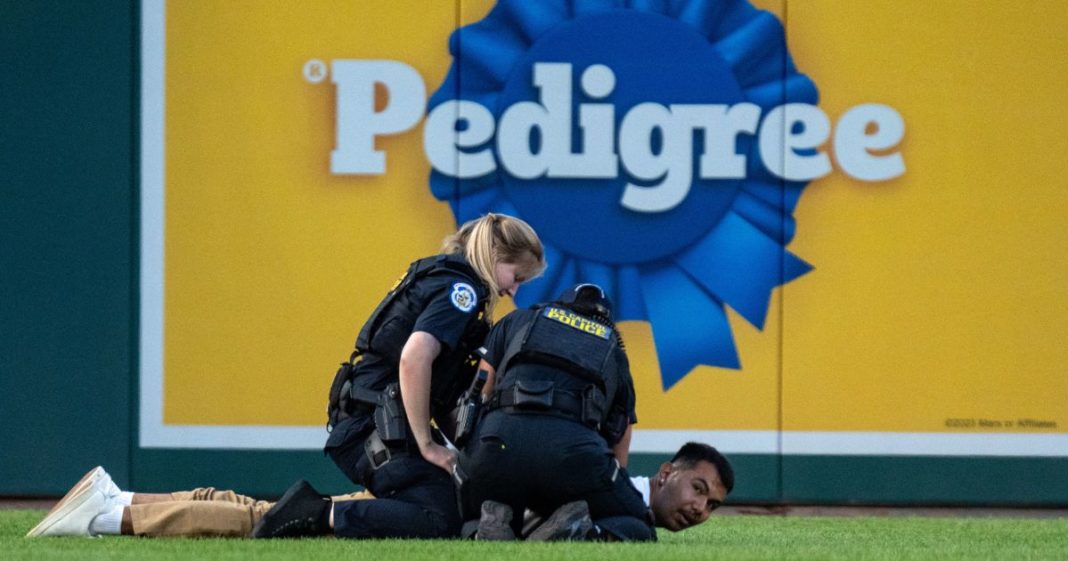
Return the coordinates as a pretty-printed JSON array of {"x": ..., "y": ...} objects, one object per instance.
[{"x": 463, "y": 297}]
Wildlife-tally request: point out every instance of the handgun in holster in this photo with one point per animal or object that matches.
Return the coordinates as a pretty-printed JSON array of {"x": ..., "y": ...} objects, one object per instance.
[
  {"x": 468, "y": 408},
  {"x": 390, "y": 421}
]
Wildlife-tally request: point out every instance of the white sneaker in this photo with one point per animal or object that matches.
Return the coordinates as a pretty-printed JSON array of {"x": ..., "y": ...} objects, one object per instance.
[
  {"x": 109, "y": 487},
  {"x": 77, "y": 490},
  {"x": 73, "y": 513}
]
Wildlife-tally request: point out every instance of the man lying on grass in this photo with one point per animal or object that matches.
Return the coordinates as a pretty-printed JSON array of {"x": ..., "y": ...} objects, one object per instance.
[{"x": 682, "y": 494}]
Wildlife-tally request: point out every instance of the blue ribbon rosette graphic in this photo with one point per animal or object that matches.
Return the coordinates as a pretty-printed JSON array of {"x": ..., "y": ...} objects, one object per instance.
[{"x": 723, "y": 244}]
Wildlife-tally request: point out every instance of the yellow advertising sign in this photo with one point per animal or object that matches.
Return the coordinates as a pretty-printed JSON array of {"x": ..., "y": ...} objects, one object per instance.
[{"x": 933, "y": 321}]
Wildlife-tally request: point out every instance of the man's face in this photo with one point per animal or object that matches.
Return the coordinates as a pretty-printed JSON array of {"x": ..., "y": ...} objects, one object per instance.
[{"x": 687, "y": 496}]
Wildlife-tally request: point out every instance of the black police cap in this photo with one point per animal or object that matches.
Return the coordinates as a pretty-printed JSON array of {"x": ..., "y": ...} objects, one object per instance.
[{"x": 587, "y": 298}]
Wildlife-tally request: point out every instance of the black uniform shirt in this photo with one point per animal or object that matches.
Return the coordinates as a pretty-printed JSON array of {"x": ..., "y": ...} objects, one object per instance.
[
  {"x": 451, "y": 301},
  {"x": 622, "y": 398}
]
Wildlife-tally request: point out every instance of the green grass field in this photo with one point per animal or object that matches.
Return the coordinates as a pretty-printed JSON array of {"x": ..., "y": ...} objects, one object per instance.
[{"x": 734, "y": 538}]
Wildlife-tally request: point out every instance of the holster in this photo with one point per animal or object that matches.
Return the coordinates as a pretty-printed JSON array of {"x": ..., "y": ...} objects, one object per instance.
[
  {"x": 389, "y": 438},
  {"x": 466, "y": 419},
  {"x": 593, "y": 407},
  {"x": 390, "y": 421},
  {"x": 339, "y": 404}
]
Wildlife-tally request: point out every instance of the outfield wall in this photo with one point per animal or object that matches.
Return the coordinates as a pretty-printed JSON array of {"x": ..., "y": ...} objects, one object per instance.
[{"x": 194, "y": 226}]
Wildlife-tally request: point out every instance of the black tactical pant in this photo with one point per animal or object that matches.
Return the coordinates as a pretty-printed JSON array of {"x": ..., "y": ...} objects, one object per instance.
[
  {"x": 541, "y": 462},
  {"x": 413, "y": 498}
]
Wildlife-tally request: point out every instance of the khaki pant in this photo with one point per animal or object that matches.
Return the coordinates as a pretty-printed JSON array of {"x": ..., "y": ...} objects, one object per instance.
[{"x": 206, "y": 511}]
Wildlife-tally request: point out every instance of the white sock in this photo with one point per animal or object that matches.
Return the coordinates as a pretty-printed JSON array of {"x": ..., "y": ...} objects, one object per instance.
[
  {"x": 125, "y": 498},
  {"x": 109, "y": 522}
]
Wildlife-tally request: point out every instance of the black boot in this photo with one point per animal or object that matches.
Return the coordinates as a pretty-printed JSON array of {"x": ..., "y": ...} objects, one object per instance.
[
  {"x": 495, "y": 523},
  {"x": 569, "y": 522},
  {"x": 302, "y": 511}
]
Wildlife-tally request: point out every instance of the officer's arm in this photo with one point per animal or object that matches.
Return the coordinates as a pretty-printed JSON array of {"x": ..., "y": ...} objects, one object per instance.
[
  {"x": 487, "y": 390},
  {"x": 415, "y": 367},
  {"x": 622, "y": 448}
]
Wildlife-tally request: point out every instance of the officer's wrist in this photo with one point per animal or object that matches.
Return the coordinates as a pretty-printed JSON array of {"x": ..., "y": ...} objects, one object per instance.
[{"x": 424, "y": 444}]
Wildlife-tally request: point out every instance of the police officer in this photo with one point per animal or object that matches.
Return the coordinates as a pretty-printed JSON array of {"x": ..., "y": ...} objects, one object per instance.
[
  {"x": 555, "y": 426},
  {"x": 413, "y": 359}
]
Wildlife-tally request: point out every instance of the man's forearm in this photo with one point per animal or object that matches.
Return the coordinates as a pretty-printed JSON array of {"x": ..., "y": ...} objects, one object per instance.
[{"x": 622, "y": 448}]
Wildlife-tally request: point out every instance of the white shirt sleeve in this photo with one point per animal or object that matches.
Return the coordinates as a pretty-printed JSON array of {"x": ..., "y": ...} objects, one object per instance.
[{"x": 642, "y": 485}]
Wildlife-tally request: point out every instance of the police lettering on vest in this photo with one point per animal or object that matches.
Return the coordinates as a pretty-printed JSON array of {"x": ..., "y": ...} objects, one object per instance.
[
  {"x": 568, "y": 342},
  {"x": 567, "y": 317},
  {"x": 577, "y": 341}
]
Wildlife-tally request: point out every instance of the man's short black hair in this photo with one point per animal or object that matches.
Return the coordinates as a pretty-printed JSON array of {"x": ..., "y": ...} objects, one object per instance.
[{"x": 693, "y": 452}]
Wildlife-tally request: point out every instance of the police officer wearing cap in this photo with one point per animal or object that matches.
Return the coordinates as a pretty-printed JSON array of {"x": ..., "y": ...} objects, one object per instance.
[
  {"x": 414, "y": 357},
  {"x": 555, "y": 426}
]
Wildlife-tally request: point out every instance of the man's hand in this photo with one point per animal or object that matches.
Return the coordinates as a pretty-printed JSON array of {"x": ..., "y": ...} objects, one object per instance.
[{"x": 440, "y": 456}]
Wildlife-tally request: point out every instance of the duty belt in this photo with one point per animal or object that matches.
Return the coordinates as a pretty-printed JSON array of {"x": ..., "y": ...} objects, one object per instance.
[
  {"x": 363, "y": 400},
  {"x": 565, "y": 404}
]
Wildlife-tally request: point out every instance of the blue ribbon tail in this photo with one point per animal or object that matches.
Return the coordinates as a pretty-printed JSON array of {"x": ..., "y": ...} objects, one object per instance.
[
  {"x": 793, "y": 267},
  {"x": 629, "y": 304},
  {"x": 781, "y": 195},
  {"x": 741, "y": 265},
  {"x": 771, "y": 220},
  {"x": 685, "y": 336}
]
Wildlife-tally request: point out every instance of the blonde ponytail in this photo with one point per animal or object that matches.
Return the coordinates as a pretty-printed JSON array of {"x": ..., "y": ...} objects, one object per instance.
[{"x": 497, "y": 238}]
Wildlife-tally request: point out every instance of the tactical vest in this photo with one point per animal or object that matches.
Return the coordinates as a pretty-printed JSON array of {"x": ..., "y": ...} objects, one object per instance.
[
  {"x": 570, "y": 342},
  {"x": 385, "y": 333},
  {"x": 390, "y": 325}
]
